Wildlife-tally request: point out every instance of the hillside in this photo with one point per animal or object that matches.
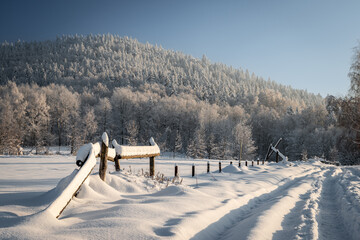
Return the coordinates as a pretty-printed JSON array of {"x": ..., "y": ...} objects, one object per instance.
[
  {"x": 70, "y": 90},
  {"x": 120, "y": 62}
]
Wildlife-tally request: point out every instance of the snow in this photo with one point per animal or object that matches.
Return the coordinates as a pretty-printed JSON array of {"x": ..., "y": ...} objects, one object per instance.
[
  {"x": 83, "y": 152},
  {"x": 105, "y": 139},
  {"x": 307, "y": 200}
]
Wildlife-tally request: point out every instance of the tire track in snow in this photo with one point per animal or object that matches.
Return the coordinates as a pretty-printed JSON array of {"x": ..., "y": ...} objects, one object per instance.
[
  {"x": 301, "y": 222},
  {"x": 331, "y": 223},
  {"x": 264, "y": 212}
]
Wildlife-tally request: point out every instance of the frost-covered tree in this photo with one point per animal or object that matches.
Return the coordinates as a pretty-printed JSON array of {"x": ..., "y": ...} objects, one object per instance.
[
  {"x": 37, "y": 117},
  {"x": 64, "y": 112},
  {"x": 132, "y": 131},
  {"x": 89, "y": 125},
  {"x": 12, "y": 114},
  {"x": 244, "y": 144},
  {"x": 103, "y": 111}
]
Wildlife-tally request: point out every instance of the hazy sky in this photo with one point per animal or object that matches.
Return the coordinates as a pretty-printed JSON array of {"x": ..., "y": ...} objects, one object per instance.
[{"x": 307, "y": 44}]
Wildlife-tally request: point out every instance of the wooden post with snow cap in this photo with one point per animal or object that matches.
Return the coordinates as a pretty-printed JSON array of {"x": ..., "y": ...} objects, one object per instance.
[
  {"x": 152, "y": 159},
  {"x": 103, "y": 156}
]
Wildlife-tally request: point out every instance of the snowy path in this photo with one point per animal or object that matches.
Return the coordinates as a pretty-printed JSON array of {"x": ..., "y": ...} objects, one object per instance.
[
  {"x": 304, "y": 208},
  {"x": 262, "y": 216},
  {"x": 331, "y": 224}
]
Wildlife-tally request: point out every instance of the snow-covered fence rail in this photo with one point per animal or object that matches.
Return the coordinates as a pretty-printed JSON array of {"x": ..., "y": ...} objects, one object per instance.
[
  {"x": 119, "y": 152},
  {"x": 128, "y": 152},
  {"x": 86, "y": 160}
]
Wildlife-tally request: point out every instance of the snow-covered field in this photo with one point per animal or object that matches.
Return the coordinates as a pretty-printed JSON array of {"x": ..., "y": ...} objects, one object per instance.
[{"x": 272, "y": 201}]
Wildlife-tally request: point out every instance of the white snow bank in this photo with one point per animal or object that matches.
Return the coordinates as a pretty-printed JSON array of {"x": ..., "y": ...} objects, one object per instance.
[
  {"x": 128, "y": 151},
  {"x": 348, "y": 199},
  {"x": 231, "y": 169}
]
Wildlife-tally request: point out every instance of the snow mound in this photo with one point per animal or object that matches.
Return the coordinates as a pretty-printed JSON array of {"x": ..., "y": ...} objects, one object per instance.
[
  {"x": 231, "y": 169},
  {"x": 170, "y": 191},
  {"x": 123, "y": 185}
]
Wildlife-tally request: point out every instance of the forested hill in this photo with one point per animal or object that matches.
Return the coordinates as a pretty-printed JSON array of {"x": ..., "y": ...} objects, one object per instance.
[
  {"x": 119, "y": 62},
  {"x": 70, "y": 90}
]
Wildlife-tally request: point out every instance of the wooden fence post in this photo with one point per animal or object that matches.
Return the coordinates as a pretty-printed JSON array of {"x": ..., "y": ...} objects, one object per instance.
[
  {"x": 219, "y": 167},
  {"x": 193, "y": 170},
  {"x": 152, "y": 166},
  {"x": 208, "y": 167},
  {"x": 176, "y": 171},
  {"x": 239, "y": 163},
  {"x": 246, "y": 163},
  {"x": 263, "y": 162},
  {"x": 277, "y": 157},
  {"x": 252, "y": 163},
  {"x": 117, "y": 163},
  {"x": 258, "y": 162},
  {"x": 103, "y": 156}
]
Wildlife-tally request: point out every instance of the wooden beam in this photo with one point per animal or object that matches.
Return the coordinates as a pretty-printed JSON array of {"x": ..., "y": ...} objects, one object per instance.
[
  {"x": 103, "y": 161},
  {"x": 152, "y": 166},
  {"x": 117, "y": 163}
]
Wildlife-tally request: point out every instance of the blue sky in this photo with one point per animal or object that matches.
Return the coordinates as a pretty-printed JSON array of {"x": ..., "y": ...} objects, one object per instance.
[{"x": 306, "y": 44}]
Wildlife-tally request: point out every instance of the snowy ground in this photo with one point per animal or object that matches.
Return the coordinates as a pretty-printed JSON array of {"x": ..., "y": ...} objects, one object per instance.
[{"x": 272, "y": 201}]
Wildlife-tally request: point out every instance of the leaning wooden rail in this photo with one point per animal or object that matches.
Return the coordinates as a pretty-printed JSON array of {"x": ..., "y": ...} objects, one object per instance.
[{"x": 60, "y": 203}]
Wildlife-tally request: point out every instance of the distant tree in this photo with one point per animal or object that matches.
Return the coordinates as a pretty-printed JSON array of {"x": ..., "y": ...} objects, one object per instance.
[
  {"x": 196, "y": 148},
  {"x": 132, "y": 131},
  {"x": 244, "y": 144},
  {"x": 89, "y": 125},
  {"x": 103, "y": 111},
  {"x": 12, "y": 114},
  {"x": 304, "y": 155},
  {"x": 178, "y": 143},
  {"x": 37, "y": 117},
  {"x": 64, "y": 114}
]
